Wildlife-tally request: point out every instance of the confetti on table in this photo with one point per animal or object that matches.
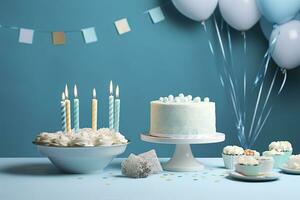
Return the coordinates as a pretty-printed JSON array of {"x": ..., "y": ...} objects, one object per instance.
[
  {"x": 89, "y": 35},
  {"x": 26, "y": 36},
  {"x": 122, "y": 26},
  {"x": 156, "y": 15}
]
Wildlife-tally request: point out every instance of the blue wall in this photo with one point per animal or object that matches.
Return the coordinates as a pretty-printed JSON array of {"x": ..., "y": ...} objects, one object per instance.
[{"x": 149, "y": 62}]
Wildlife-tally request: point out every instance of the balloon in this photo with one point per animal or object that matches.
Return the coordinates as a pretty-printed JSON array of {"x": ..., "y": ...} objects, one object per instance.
[
  {"x": 198, "y": 10},
  {"x": 287, "y": 47},
  {"x": 278, "y": 11},
  {"x": 267, "y": 27},
  {"x": 241, "y": 14}
]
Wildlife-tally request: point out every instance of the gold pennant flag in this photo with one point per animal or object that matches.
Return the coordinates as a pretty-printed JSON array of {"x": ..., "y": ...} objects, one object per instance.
[{"x": 58, "y": 38}]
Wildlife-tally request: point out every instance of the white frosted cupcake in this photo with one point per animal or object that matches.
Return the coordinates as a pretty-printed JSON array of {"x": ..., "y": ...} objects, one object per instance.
[
  {"x": 230, "y": 155},
  {"x": 294, "y": 162},
  {"x": 248, "y": 166},
  {"x": 282, "y": 146}
]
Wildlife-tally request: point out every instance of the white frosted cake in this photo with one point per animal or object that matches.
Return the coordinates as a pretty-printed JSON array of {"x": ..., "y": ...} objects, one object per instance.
[{"x": 182, "y": 116}]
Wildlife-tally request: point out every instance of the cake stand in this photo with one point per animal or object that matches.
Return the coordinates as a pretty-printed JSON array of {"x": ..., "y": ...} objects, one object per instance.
[{"x": 183, "y": 159}]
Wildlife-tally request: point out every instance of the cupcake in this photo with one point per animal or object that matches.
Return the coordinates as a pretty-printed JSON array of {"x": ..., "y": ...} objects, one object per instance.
[
  {"x": 230, "y": 154},
  {"x": 250, "y": 152},
  {"x": 282, "y": 146},
  {"x": 279, "y": 157},
  {"x": 267, "y": 164},
  {"x": 248, "y": 166},
  {"x": 294, "y": 162}
]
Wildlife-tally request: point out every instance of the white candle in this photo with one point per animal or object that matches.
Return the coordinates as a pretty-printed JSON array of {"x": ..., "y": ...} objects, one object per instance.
[
  {"x": 111, "y": 107},
  {"x": 117, "y": 110},
  {"x": 76, "y": 109},
  {"x": 94, "y": 110},
  {"x": 68, "y": 110}
]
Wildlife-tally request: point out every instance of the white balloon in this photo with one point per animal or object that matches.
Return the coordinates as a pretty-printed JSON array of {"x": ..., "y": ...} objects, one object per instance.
[
  {"x": 240, "y": 14},
  {"x": 198, "y": 10},
  {"x": 287, "y": 47}
]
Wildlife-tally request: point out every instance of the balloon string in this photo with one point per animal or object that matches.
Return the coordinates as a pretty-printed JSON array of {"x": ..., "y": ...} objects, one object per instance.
[
  {"x": 264, "y": 107},
  {"x": 261, "y": 78},
  {"x": 258, "y": 100},
  {"x": 259, "y": 127},
  {"x": 240, "y": 121},
  {"x": 245, "y": 80},
  {"x": 209, "y": 42},
  {"x": 227, "y": 74},
  {"x": 284, "y": 71},
  {"x": 262, "y": 72}
]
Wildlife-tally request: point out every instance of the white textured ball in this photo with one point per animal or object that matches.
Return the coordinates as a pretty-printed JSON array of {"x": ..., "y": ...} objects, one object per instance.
[
  {"x": 177, "y": 99},
  {"x": 181, "y": 95},
  {"x": 166, "y": 99},
  {"x": 161, "y": 99},
  {"x": 171, "y": 97},
  {"x": 197, "y": 99},
  {"x": 190, "y": 97},
  {"x": 206, "y": 99}
]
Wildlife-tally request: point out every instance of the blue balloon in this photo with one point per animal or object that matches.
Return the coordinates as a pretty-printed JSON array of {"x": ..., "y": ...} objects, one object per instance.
[
  {"x": 278, "y": 11},
  {"x": 267, "y": 27}
]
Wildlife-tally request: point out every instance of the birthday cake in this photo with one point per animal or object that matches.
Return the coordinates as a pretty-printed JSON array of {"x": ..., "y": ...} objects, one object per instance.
[
  {"x": 85, "y": 137},
  {"x": 182, "y": 117}
]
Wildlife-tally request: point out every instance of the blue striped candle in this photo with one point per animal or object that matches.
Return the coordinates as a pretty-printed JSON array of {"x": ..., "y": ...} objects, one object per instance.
[
  {"x": 117, "y": 111},
  {"x": 63, "y": 112},
  {"x": 76, "y": 109},
  {"x": 111, "y": 107}
]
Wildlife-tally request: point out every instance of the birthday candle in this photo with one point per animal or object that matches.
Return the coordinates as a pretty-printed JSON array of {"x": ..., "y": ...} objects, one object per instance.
[
  {"x": 68, "y": 110},
  {"x": 94, "y": 110},
  {"x": 76, "y": 109},
  {"x": 117, "y": 110},
  {"x": 63, "y": 112},
  {"x": 111, "y": 107}
]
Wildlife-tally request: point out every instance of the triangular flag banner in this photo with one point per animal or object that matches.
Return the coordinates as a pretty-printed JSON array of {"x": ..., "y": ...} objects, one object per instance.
[
  {"x": 122, "y": 26},
  {"x": 26, "y": 36},
  {"x": 58, "y": 38},
  {"x": 89, "y": 35},
  {"x": 156, "y": 15}
]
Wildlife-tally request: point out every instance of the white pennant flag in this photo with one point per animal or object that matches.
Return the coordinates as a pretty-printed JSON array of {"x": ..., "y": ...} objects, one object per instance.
[
  {"x": 26, "y": 36},
  {"x": 156, "y": 15},
  {"x": 89, "y": 35}
]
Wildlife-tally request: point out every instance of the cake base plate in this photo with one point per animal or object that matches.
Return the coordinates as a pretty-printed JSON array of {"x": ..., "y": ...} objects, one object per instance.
[{"x": 183, "y": 159}]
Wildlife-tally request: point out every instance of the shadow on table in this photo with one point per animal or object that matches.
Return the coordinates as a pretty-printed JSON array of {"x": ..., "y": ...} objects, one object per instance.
[{"x": 35, "y": 169}]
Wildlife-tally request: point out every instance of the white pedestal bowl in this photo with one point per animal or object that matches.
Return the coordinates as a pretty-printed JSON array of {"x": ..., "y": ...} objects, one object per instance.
[{"x": 81, "y": 160}]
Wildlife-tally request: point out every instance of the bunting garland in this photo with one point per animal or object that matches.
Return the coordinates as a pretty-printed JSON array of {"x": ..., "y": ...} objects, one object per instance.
[{"x": 26, "y": 35}]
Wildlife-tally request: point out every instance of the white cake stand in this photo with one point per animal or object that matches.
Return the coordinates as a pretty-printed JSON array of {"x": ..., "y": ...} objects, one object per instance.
[{"x": 183, "y": 159}]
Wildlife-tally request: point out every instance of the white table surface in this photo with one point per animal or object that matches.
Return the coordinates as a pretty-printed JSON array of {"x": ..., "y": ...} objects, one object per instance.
[{"x": 38, "y": 179}]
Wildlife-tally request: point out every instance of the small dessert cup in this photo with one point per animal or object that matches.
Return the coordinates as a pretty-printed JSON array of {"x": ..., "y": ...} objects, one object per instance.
[
  {"x": 279, "y": 159},
  {"x": 248, "y": 170},
  {"x": 286, "y": 155},
  {"x": 230, "y": 160},
  {"x": 267, "y": 164}
]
